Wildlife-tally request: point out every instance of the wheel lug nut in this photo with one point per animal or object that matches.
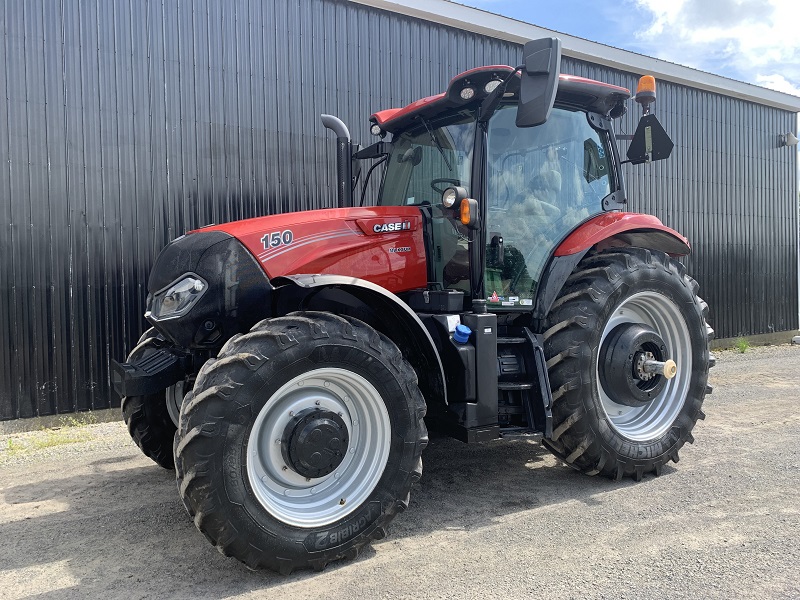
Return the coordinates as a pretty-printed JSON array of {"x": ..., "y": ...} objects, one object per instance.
[
  {"x": 284, "y": 468},
  {"x": 317, "y": 402}
]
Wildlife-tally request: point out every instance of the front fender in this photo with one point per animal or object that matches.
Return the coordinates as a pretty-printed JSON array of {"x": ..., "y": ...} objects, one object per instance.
[{"x": 377, "y": 307}]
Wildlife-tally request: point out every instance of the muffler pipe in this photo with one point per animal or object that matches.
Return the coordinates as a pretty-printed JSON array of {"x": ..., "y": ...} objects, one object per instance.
[{"x": 344, "y": 160}]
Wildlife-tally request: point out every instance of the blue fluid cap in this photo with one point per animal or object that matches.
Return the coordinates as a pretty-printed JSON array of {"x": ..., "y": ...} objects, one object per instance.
[{"x": 461, "y": 334}]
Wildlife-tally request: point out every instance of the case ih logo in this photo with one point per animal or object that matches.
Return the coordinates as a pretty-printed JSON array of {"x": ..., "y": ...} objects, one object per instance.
[
  {"x": 391, "y": 227},
  {"x": 389, "y": 224}
]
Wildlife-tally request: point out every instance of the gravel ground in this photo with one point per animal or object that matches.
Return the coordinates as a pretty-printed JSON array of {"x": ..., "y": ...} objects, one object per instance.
[{"x": 85, "y": 515}]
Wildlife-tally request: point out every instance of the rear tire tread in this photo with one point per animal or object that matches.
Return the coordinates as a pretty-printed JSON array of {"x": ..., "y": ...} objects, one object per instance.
[{"x": 584, "y": 295}]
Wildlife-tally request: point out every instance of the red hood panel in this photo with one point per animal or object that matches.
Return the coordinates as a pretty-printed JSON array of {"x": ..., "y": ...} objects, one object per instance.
[{"x": 382, "y": 244}]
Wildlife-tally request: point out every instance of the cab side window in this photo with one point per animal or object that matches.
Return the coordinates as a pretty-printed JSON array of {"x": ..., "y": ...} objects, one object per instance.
[{"x": 541, "y": 182}]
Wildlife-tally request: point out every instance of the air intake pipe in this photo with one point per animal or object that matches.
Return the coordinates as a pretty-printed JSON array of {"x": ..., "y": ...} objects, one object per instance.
[{"x": 344, "y": 160}]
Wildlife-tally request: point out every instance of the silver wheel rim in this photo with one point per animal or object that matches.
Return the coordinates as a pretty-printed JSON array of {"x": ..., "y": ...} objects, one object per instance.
[
  {"x": 656, "y": 418},
  {"x": 291, "y": 497}
]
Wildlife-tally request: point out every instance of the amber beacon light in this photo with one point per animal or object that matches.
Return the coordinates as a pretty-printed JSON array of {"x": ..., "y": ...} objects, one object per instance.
[{"x": 646, "y": 92}]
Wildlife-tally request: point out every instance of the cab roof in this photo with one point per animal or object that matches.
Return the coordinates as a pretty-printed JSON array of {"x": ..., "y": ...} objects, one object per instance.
[{"x": 578, "y": 92}]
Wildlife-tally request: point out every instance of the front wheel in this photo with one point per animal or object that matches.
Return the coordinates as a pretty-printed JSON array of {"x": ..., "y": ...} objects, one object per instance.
[
  {"x": 300, "y": 441},
  {"x": 627, "y": 351},
  {"x": 150, "y": 418}
]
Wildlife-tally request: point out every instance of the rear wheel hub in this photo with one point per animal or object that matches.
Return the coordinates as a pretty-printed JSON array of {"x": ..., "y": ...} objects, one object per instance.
[
  {"x": 628, "y": 360},
  {"x": 314, "y": 442}
]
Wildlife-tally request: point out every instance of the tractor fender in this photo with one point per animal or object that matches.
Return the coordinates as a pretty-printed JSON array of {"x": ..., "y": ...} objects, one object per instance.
[
  {"x": 608, "y": 230},
  {"x": 376, "y": 306},
  {"x": 620, "y": 229}
]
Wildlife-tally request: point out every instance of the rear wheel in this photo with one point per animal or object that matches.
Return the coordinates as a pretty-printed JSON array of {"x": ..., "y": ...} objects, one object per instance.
[
  {"x": 300, "y": 441},
  {"x": 627, "y": 350},
  {"x": 148, "y": 417}
]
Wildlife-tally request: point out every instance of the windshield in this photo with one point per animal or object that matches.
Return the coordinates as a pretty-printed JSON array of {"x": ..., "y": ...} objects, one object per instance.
[
  {"x": 541, "y": 182},
  {"x": 426, "y": 160}
]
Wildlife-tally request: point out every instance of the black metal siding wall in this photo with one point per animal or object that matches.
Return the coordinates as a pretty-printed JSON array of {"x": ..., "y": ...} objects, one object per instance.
[{"x": 124, "y": 123}]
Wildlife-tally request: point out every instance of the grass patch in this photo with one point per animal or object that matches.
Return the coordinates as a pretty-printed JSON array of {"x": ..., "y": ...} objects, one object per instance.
[
  {"x": 13, "y": 447},
  {"x": 78, "y": 420},
  {"x": 48, "y": 438},
  {"x": 741, "y": 344},
  {"x": 72, "y": 429}
]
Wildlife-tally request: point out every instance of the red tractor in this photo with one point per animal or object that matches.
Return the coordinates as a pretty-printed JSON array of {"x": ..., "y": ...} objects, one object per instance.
[{"x": 494, "y": 287}]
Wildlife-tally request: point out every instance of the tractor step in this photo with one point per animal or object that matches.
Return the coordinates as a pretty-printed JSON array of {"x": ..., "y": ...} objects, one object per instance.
[
  {"x": 514, "y": 385},
  {"x": 523, "y": 384},
  {"x": 511, "y": 340},
  {"x": 520, "y": 432}
]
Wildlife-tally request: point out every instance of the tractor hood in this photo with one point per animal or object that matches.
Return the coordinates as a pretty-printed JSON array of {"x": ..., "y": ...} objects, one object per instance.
[
  {"x": 383, "y": 245},
  {"x": 216, "y": 281}
]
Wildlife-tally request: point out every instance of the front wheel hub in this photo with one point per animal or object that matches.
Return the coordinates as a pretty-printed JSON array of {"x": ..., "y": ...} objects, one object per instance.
[
  {"x": 314, "y": 443},
  {"x": 633, "y": 364}
]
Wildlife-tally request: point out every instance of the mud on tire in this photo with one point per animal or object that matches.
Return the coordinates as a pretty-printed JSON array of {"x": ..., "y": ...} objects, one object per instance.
[
  {"x": 224, "y": 447},
  {"x": 592, "y": 433}
]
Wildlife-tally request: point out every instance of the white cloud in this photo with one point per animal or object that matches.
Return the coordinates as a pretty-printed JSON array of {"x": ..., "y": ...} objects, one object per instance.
[
  {"x": 779, "y": 83},
  {"x": 753, "y": 40}
]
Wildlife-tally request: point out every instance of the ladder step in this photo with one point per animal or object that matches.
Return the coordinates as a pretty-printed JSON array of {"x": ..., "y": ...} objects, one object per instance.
[
  {"x": 519, "y": 432},
  {"x": 511, "y": 340},
  {"x": 514, "y": 385}
]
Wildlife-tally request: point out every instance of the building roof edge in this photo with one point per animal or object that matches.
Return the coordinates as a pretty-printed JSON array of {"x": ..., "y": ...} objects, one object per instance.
[{"x": 490, "y": 24}]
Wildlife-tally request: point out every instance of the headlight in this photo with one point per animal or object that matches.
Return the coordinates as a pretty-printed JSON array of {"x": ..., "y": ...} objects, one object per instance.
[{"x": 178, "y": 298}]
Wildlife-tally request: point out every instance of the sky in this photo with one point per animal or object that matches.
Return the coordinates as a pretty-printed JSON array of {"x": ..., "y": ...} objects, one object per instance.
[{"x": 755, "y": 41}]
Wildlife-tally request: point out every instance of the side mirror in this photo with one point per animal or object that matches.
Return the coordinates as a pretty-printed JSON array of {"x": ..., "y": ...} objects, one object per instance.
[{"x": 541, "y": 67}]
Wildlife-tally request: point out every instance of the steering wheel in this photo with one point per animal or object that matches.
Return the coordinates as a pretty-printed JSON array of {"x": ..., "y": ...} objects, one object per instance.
[{"x": 441, "y": 180}]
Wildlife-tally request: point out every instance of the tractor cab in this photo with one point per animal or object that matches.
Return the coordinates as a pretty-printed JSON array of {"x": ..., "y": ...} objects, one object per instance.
[{"x": 500, "y": 191}]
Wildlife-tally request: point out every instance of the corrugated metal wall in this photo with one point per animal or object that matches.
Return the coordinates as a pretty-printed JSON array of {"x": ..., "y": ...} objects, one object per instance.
[{"x": 124, "y": 123}]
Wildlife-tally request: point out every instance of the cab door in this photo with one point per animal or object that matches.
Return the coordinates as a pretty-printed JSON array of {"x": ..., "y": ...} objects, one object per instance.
[
  {"x": 424, "y": 161},
  {"x": 541, "y": 182}
]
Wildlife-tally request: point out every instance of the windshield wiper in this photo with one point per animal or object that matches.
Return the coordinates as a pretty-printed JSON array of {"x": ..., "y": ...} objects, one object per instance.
[{"x": 436, "y": 141}]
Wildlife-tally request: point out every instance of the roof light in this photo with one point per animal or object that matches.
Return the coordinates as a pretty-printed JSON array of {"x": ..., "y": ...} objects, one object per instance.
[
  {"x": 376, "y": 129},
  {"x": 468, "y": 93},
  {"x": 491, "y": 86}
]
